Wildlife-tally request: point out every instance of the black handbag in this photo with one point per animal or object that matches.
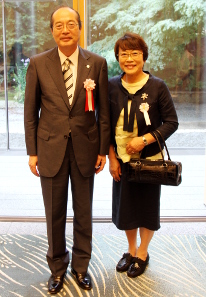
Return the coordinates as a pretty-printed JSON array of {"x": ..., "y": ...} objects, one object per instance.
[{"x": 164, "y": 172}]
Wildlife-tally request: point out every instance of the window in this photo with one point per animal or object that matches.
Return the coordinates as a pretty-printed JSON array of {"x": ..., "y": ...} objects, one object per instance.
[
  {"x": 175, "y": 33},
  {"x": 26, "y": 31}
]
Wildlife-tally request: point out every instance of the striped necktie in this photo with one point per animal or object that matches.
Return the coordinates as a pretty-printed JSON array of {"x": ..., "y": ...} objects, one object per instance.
[{"x": 68, "y": 79}]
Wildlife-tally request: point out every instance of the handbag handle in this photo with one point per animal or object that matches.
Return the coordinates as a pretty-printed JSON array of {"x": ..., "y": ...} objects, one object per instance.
[{"x": 168, "y": 155}]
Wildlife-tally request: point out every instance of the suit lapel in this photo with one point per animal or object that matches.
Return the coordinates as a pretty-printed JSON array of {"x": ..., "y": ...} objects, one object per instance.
[
  {"x": 84, "y": 67},
  {"x": 54, "y": 67}
]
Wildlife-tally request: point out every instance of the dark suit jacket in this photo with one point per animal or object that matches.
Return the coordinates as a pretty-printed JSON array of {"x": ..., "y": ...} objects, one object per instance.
[{"x": 49, "y": 118}]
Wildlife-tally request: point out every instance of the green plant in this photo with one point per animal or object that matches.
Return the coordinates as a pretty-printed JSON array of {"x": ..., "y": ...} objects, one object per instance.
[
  {"x": 20, "y": 80},
  {"x": 1, "y": 79}
]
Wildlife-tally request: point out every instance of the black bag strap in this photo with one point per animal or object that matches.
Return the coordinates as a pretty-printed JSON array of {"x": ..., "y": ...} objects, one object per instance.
[{"x": 156, "y": 137}]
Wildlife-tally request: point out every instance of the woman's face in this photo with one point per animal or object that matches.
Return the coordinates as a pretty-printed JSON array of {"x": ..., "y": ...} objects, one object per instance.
[{"x": 131, "y": 61}]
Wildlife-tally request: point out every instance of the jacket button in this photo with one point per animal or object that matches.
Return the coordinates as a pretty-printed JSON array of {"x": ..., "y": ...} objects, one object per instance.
[
  {"x": 70, "y": 117},
  {"x": 65, "y": 136}
]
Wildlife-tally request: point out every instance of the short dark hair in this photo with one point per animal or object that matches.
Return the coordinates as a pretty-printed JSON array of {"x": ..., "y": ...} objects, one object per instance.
[
  {"x": 131, "y": 41},
  {"x": 65, "y": 6}
]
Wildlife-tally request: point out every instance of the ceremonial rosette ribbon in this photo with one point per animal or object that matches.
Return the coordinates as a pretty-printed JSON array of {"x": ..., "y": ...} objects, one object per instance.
[
  {"x": 89, "y": 85},
  {"x": 144, "y": 107}
]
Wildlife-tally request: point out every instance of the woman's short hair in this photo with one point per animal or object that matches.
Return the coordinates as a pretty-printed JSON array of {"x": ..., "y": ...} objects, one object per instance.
[
  {"x": 64, "y": 6},
  {"x": 131, "y": 41}
]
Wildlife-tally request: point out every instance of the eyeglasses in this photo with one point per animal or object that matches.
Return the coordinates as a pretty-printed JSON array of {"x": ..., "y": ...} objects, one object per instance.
[
  {"x": 133, "y": 55},
  {"x": 69, "y": 26}
]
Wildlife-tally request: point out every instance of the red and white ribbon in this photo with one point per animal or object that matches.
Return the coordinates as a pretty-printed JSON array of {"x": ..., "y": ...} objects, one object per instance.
[
  {"x": 144, "y": 107},
  {"x": 89, "y": 85}
]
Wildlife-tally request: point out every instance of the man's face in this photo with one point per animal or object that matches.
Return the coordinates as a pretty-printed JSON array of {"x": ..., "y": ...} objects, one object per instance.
[{"x": 66, "y": 30}]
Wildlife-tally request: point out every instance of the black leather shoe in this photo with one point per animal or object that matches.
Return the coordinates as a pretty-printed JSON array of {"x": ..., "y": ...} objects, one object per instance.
[
  {"x": 55, "y": 283},
  {"x": 137, "y": 267},
  {"x": 83, "y": 279},
  {"x": 124, "y": 262}
]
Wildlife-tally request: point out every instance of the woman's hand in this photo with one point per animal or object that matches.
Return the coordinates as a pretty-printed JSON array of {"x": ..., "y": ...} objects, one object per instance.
[
  {"x": 115, "y": 169},
  {"x": 135, "y": 145},
  {"x": 114, "y": 165}
]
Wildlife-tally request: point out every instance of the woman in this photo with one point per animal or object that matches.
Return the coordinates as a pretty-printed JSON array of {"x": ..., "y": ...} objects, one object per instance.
[{"x": 139, "y": 104}]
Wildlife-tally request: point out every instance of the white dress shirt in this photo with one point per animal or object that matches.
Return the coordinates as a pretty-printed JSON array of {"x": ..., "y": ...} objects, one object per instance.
[{"x": 74, "y": 63}]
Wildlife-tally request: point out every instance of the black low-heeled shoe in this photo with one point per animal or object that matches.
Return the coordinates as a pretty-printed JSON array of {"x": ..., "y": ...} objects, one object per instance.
[
  {"x": 124, "y": 263},
  {"x": 83, "y": 279},
  {"x": 55, "y": 284},
  {"x": 137, "y": 267}
]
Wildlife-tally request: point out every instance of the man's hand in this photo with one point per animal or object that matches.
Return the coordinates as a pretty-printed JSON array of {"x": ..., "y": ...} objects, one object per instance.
[
  {"x": 33, "y": 164},
  {"x": 101, "y": 161}
]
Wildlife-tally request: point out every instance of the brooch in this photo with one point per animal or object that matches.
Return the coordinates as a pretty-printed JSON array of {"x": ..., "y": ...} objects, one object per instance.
[{"x": 144, "y": 96}]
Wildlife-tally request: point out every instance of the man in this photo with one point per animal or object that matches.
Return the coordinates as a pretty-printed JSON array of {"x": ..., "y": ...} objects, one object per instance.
[{"x": 65, "y": 140}]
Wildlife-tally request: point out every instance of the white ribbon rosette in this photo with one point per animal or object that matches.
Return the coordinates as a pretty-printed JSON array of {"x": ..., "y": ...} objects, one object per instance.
[
  {"x": 89, "y": 85},
  {"x": 144, "y": 107}
]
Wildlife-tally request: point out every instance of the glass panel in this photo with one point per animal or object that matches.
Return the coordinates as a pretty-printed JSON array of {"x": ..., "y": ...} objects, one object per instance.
[
  {"x": 2, "y": 95},
  {"x": 27, "y": 33},
  {"x": 175, "y": 34}
]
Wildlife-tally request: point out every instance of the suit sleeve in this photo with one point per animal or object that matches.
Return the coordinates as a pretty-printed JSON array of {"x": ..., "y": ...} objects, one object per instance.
[
  {"x": 168, "y": 112},
  {"x": 103, "y": 111},
  {"x": 31, "y": 108}
]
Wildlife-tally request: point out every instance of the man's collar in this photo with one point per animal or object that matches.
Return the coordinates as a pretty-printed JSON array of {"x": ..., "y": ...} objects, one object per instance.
[{"x": 73, "y": 58}]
